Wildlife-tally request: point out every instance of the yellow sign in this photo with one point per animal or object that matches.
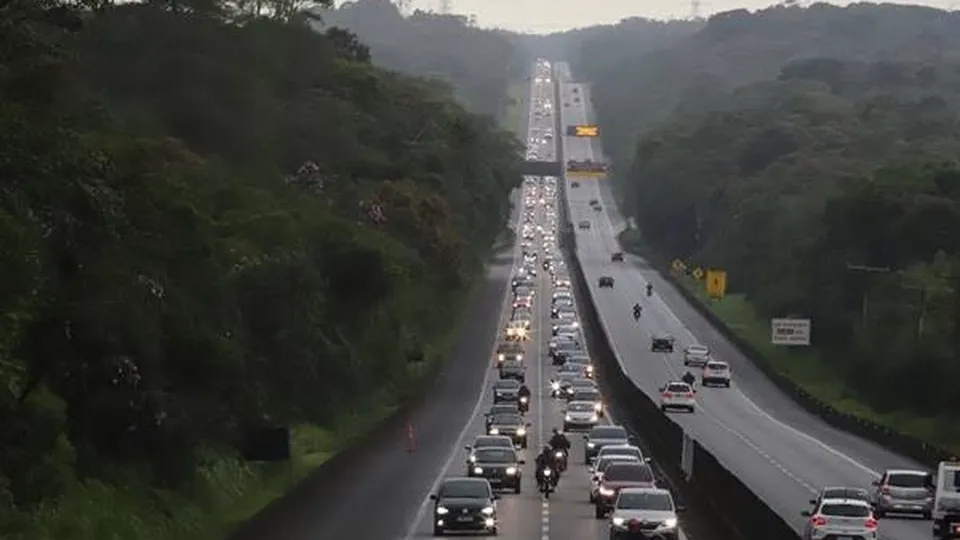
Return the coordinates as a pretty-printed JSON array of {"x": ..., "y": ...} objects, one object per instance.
[
  {"x": 716, "y": 283},
  {"x": 678, "y": 265},
  {"x": 587, "y": 131},
  {"x": 698, "y": 273},
  {"x": 588, "y": 174}
]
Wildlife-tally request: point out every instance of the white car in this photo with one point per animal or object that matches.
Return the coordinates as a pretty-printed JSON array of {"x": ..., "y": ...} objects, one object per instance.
[
  {"x": 716, "y": 372},
  {"x": 649, "y": 508},
  {"x": 841, "y": 518},
  {"x": 627, "y": 450},
  {"x": 696, "y": 355},
  {"x": 580, "y": 415},
  {"x": 677, "y": 395}
]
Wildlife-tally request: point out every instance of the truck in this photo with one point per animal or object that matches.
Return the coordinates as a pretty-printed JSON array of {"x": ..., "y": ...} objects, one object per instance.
[{"x": 946, "y": 502}]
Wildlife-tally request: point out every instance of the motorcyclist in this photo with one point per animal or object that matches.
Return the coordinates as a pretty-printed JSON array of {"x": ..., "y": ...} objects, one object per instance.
[
  {"x": 689, "y": 378},
  {"x": 637, "y": 310},
  {"x": 649, "y": 289},
  {"x": 524, "y": 392},
  {"x": 559, "y": 441},
  {"x": 545, "y": 459}
]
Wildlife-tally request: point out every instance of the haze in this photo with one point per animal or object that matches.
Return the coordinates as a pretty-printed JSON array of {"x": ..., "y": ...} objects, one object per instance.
[{"x": 544, "y": 17}]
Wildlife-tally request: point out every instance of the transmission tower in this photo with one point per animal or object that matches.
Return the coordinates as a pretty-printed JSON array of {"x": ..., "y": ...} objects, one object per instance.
[{"x": 445, "y": 7}]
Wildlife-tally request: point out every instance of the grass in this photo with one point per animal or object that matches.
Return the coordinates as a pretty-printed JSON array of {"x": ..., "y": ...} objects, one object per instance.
[
  {"x": 513, "y": 112},
  {"x": 806, "y": 366}
]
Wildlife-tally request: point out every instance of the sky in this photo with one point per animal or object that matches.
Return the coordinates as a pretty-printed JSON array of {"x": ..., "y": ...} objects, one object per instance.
[{"x": 545, "y": 16}]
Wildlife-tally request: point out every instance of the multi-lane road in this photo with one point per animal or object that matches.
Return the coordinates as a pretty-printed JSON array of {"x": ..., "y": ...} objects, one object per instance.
[{"x": 782, "y": 453}]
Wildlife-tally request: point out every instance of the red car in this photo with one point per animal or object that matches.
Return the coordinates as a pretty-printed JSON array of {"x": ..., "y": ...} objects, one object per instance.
[{"x": 617, "y": 477}]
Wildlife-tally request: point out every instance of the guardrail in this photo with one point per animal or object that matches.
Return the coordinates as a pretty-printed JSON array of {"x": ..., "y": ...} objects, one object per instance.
[
  {"x": 732, "y": 510},
  {"x": 899, "y": 442},
  {"x": 541, "y": 168}
]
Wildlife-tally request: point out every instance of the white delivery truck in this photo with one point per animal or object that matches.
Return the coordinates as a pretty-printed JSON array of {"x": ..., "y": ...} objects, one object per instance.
[{"x": 946, "y": 502}]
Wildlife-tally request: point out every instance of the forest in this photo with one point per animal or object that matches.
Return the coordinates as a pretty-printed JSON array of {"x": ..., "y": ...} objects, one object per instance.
[
  {"x": 812, "y": 154},
  {"x": 214, "y": 218}
]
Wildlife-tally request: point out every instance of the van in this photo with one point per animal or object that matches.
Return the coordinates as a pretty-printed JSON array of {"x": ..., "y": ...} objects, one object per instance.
[{"x": 946, "y": 501}]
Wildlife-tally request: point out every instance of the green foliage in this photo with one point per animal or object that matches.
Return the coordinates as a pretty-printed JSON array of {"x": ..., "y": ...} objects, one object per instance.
[
  {"x": 478, "y": 64},
  {"x": 173, "y": 275},
  {"x": 794, "y": 182}
]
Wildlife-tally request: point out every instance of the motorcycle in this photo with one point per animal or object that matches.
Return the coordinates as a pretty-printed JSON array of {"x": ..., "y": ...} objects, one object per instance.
[
  {"x": 561, "y": 458},
  {"x": 524, "y": 404},
  {"x": 649, "y": 290},
  {"x": 547, "y": 482},
  {"x": 636, "y": 314}
]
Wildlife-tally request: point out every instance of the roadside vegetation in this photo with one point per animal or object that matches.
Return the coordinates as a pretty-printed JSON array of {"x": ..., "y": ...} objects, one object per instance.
[
  {"x": 213, "y": 220},
  {"x": 795, "y": 149}
]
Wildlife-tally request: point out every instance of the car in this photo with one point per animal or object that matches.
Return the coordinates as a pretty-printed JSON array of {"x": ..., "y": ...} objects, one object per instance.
[
  {"x": 500, "y": 466},
  {"x": 513, "y": 370},
  {"x": 575, "y": 184},
  {"x": 716, "y": 373},
  {"x": 601, "y": 436},
  {"x": 464, "y": 504},
  {"x": 590, "y": 395},
  {"x": 559, "y": 384},
  {"x": 499, "y": 408},
  {"x": 841, "y": 493},
  {"x": 510, "y": 424},
  {"x": 617, "y": 257},
  {"x": 644, "y": 512},
  {"x": 677, "y": 395},
  {"x": 581, "y": 361},
  {"x": 617, "y": 477},
  {"x": 580, "y": 415},
  {"x": 662, "y": 344},
  {"x": 605, "y": 281},
  {"x": 517, "y": 332},
  {"x": 600, "y": 466},
  {"x": 597, "y": 208},
  {"x": 506, "y": 390},
  {"x": 628, "y": 450},
  {"x": 594, "y": 202},
  {"x": 584, "y": 224},
  {"x": 696, "y": 355},
  {"x": 509, "y": 351},
  {"x": 904, "y": 491},
  {"x": 577, "y": 384},
  {"x": 946, "y": 500},
  {"x": 840, "y": 518}
]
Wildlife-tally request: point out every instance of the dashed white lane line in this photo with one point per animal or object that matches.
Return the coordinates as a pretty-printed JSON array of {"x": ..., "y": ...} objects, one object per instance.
[{"x": 545, "y": 519}]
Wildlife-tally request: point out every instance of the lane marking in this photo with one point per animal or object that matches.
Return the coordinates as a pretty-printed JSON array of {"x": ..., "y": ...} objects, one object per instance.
[{"x": 424, "y": 506}]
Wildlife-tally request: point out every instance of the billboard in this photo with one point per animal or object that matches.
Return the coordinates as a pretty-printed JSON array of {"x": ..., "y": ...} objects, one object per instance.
[
  {"x": 586, "y": 168},
  {"x": 583, "y": 130}
]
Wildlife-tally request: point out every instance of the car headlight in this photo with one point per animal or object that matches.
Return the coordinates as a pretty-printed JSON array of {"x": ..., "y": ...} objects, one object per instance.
[
  {"x": 594, "y": 418},
  {"x": 511, "y": 471},
  {"x": 441, "y": 510},
  {"x": 522, "y": 431},
  {"x": 519, "y": 357},
  {"x": 606, "y": 492},
  {"x": 555, "y": 385},
  {"x": 488, "y": 511},
  {"x": 575, "y": 324},
  {"x": 590, "y": 445},
  {"x": 590, "y": 369},
  {"x": 478, "y": 470},
  {"x": 618, "y": 521},
  {"x": 598, "y": 407},
  {"x": 494, "y": 431},
  {"x": 523, "y": 400},
  {"x": 670, "y": 523},
  {"x": 501, "y": 357},
  {"x": 568, "y": 418},
  {"x": 473, "y": 459}
]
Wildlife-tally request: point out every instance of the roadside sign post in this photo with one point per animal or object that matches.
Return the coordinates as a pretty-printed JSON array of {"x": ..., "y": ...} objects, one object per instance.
[
  {"x": 716, "y": 283},
  {"x": 791, "y": 332}
]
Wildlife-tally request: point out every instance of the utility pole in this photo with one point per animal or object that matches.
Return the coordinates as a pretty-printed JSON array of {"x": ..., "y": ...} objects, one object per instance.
[
  {"x": 694, "y": 9},
  {"x": 445, "y": 7}
]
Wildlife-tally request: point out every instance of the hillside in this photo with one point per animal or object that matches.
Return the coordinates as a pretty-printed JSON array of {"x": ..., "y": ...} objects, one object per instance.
[
  {"x": 210, "y": 227},
  {"x": 479, "y": 64}
]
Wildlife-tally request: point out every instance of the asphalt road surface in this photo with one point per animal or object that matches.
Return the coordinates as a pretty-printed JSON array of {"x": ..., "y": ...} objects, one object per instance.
[{"x": 784, "y": 454}]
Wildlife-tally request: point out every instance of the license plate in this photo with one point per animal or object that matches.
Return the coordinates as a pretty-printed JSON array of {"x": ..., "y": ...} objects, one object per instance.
[
  {"x": 844, "y": 538},
  {"x": 465, "y": 519}
]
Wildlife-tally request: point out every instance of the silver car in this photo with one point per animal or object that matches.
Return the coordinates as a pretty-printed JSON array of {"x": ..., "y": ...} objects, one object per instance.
[
  {"x": 696, "y": 355},
  {"x": 840, "y": 518},
  {"x": 904, "y": 491},
  {"x": 580, "y": 415},
  {"x": 643, "y": 513}
]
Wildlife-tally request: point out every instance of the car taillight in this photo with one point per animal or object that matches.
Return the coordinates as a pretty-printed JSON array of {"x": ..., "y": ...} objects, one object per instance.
[
  {"x": 818, "y": 521},
  {"x": 885, "y": 490},
  {"x": 871, "y": 524},
  {"x": 667, "y": 395},
  {"x": 688, "y": 395}
]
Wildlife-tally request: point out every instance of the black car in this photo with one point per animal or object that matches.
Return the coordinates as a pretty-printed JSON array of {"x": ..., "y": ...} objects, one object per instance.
[
  {"x": 501, "y": 466},
  {"x": 509, "y": 351},
  {"x": 499, "y": 408},
  {"x": 662, "y": 344},
  {"x": 575, "y": 184},
  {"x": 512, "y": 369},
  {"x": 617, "y": 257},
  {"x": 464, "y": 504},
  {"x": 510, "y": 424},
  {"x": 506, "y": 390},
  {"x": 601, "y": 436},
  {"x": 606, "y": 281}
]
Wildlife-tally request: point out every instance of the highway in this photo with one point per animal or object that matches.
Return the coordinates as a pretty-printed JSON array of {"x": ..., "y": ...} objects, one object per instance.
[{"x": 784, "y": 454}]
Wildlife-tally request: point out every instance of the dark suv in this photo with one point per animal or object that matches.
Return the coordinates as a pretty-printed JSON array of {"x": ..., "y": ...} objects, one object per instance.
[
  {"x": 500, "y": 466},
  {"x": 464, "y": 504}
]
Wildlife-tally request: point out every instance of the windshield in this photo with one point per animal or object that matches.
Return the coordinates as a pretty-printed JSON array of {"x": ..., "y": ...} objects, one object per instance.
[
  {"x": 625, "y": 451},
  {"x": 661, "y": 502},
  {"x": 680, "y": 388},
  {"x": 496, "y": 455},
  {"x": 507, "y": 418},
  {"x": 610, "y": 460},
  {"x": 628, "y": 472},
  {"x": 697, "y": 349},
  {"x": 511, "y": 365},
  {"x": 465, "y": 490},
  {"x": 580, "y": 407},
  {"x": 608, "y": 432},
  {"x": 844, "y": 493},
  {"x": 586, "y": 396},
  {"x": 506, "y": 385},
  {"x": 486, "y": 442},
  {"x": 907, "y": 480},
  {"x": 501, "y": 409},
  {"x": 845, "y": 510},
  {"x": 578, "y": 360},
  {"x": 716, "y": 367}
]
